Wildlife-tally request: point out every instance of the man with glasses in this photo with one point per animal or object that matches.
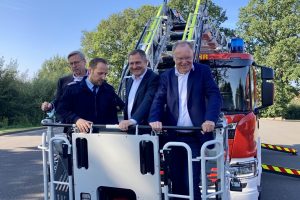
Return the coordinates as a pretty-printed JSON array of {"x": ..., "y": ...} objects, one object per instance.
[
  {"x": 92, "y": 100},
  {"x": 187, "y": 96},
  {"x": 77, "y": 64}
]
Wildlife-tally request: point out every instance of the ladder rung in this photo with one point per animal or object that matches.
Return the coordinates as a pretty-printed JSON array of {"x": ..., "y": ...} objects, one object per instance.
[
  {"x": 176, "y": 35},
  {"x": 178, "y": 27}
]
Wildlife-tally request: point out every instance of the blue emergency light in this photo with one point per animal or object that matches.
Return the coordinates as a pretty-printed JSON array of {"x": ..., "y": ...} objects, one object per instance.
[{"x": 237, "y": 45}]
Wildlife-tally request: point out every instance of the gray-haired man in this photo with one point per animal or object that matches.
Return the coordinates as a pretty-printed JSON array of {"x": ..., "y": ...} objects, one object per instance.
[{"x": 77, "y": 64}]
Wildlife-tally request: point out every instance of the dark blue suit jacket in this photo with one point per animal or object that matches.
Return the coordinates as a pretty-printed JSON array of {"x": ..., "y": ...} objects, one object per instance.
[
  {"x": 204, "y": 99},
  {"x": 78, "y": 101},
  {"x": 62, "y": 83},
  {"x": 143, "y": 97}
]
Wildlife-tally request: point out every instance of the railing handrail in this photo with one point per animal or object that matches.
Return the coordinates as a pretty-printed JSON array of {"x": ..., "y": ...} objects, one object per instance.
[{"x": 115, "y": 126}]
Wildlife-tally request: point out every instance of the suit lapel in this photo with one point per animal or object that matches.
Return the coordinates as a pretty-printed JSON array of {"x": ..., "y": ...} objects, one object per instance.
[
  {"x": 128, "y": 83},
  {"x": 174, "y": 87},
  {"x": 140, "y": 88},
  {"x": 191, "y": 79},
  {"x": 128, "y": 86},
  {"x": 142, "y": 84}
]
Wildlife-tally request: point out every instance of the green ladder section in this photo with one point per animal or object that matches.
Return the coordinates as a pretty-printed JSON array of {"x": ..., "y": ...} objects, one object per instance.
[
  {"x": 194, "y": 28},
  {"x": 159, "y": 36},
  {"x": 191, "y": 23},
  {"x": 148, "y": 40}
]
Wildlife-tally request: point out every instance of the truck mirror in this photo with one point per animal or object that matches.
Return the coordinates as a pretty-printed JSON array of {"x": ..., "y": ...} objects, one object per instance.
[
  {"x": 267, "y": 73},
  {"x": 267, "y": 94}
]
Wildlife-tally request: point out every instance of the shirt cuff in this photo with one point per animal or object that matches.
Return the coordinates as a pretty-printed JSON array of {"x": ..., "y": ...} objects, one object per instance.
[{"x": 133, "y": 121}]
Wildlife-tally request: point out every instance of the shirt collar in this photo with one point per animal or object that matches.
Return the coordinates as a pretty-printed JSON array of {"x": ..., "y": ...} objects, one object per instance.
[
  {"x": 179, "y": 74},
  {"x": 140, "y": 77},
  {"x": 89, "y": 84},
  {"x": 79, "y": 78}
]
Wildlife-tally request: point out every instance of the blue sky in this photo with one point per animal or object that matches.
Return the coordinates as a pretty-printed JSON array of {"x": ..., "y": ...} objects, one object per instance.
[{"x": 35, "y": 30}]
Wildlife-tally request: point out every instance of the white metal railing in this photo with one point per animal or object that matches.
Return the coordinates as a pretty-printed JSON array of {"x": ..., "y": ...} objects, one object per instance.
[
  {"x": 221, "y": 147},
  {"x": 44, "y": 148},
  {"x": 48, "y": 154},
  {"x": 53, "y": 182},
  {"x": 219, "y": 150}
]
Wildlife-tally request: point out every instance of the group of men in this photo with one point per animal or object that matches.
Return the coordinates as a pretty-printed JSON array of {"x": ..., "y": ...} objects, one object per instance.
[{"x": 185, "y": 95}]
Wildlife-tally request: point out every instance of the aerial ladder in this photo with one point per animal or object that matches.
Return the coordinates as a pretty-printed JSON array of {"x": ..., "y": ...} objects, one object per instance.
[
  {"x": 161, "y": 32},
  {"x": 167, "y": 27}
]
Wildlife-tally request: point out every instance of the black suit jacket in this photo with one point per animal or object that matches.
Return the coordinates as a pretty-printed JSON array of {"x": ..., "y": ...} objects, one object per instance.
[
  {"x": 143, "y": 97},
  {"x": 61, "y": 85},
  {"x": 78, "y": 101}
]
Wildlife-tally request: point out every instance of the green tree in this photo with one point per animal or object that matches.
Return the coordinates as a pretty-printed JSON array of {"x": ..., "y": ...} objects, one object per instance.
[
  {"x": 184, "y": 7},
  {"x": 41, "y": 89},
  {"x": 271, "y": 29},
  {"x": 45, "y": 83},
  {"x": 20, "y": 98},
  {"x": 13, "y": 95},
  {"x": 8, "y": 90},
  {"x": 115, "y": 37},
  {"x": 54, "y": 68},
  {"x": 217, "y": 14}
]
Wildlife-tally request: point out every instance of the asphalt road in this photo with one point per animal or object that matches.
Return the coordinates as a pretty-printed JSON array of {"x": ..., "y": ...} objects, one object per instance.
[
  {"x": 21, "y": 163},
  {"x": 282, "y": 133},
  {"x": 21, "y": 175}
]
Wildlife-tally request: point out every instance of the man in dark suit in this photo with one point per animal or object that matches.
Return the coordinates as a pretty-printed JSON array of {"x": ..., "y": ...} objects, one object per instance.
[
  {"x": 187, "y": 96},
  {"x": 77, "y": 64},
  {"x": 91, "y": 100},
  {"x": 140, "y": 90}
]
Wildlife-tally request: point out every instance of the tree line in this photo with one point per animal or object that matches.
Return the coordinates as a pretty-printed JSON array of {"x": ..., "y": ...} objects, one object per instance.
[
  {"x": 270, "y": 28},
  {"x": 20, "y": 97}
]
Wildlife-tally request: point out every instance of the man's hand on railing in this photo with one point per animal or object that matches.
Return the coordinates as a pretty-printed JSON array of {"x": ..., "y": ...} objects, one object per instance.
[
  {"x": 124, "y": 124},
  {"x": 156, "y": 126},
  {"x": 83, "y": 125},
  {"x": 207, "y": 126}
]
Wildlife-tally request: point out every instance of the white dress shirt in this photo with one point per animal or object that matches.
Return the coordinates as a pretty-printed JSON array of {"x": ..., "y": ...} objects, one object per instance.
[
  {"x": 134, "y": 87},
  {"x": 184, "y": 118},
  {"x": 79, "y": 78}
]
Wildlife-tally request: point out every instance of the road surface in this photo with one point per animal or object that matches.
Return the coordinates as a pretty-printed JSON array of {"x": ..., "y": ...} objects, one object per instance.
[
  {"x": 282, "y": 133},
  {"x": 21, "y": 175}
]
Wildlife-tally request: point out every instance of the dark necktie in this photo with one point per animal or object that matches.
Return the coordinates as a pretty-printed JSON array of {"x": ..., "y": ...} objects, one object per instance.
[
  {"x": 95, "y": 99},
  {"x": 95, "y": 89}
]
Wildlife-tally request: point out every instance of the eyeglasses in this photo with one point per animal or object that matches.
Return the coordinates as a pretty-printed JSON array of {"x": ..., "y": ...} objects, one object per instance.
[
  {"x": 135, "y": 63},
  {"x": 183, "y": 59},
  {"x": 74, "y": 63}
]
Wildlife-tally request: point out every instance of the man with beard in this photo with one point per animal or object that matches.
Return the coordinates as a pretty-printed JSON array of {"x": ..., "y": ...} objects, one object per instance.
[{"x": 91, "y": 101}]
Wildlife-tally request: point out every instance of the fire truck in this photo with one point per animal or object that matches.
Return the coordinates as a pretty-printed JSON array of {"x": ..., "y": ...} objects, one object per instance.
[
  {"x": 236, "y": 74},
  {"x": 111, "y": 165},
  {"x": 245, "y": 86}
]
